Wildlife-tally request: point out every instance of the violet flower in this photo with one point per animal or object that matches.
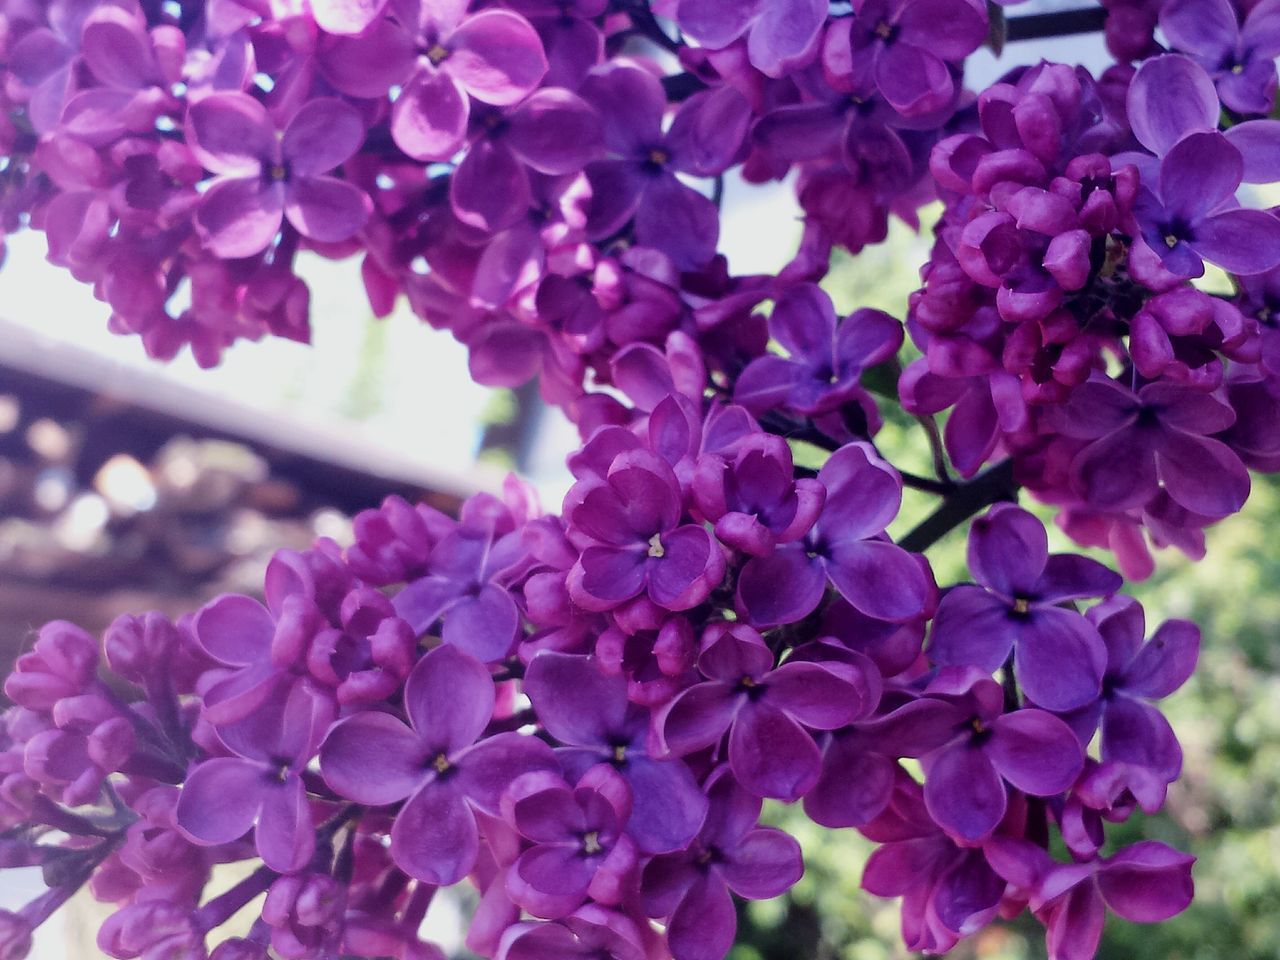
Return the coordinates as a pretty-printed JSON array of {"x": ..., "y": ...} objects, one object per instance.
[
  {"x": 223, "y": 797},
  {"x": 641, "y": 180},
  {"x": 263, "y": 178},
  {"x": 1058, "y": 656},
  {"x": 1191, "y": 213},
  {"x": 633, "y": 540},
  {"x": 825, "y": 360},
  {"x": 1239, "y": 56},
  {"x": 764, "y": 710},
  {"x": 1143, "y": 882},
  {"x": 439, "y": 764},
  {"x": 731, "y": 853},
  {"x": 1157, "y": 438},
  {"x": 846, "y": 545},
  {"x": 579, "y": 847},
  {"x": 588, "y": 712}
]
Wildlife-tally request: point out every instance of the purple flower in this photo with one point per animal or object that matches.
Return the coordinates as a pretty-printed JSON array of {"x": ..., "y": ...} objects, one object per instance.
[
  {"x": 825, "y": 362},
  {"x": 1144, "y": 882},
  {"x": 261, "y": 649},
  {"x": 731, "y": 853},
  {"x": 263, "y": 178},
  {"x": 640, "y": 181},
  {"x": 846, "y": 545},
  {"x": 62, "y": 664},
  {"x": 1191, "y": 212},
  {"x": 553, "y": 132},
  {"x": 764, "y": 710},
  {"x": 1135, "y": 735},
  {"x": 465, "y": 586},
  {"x": 579, "y": 848},
  {"x": 629, "y": 523},
  {"x": 1156, "y": 438},
  {"x": 442, "y": 56},
  {"x": 588, "y": 712},
  {"x": 903, "y": 49},
  {"x": 1031, "y": 750},
  {"x": 754, "y": 499},
  {"x": 393, "y": 543},
  {"x": 438, "y": 762},
  {"x": 1058, "y": 656},
  {"x": 225, "y": 796},
  {"x": 591, "y": 933},
  {"x": 947, "y": 890},
  {"x": 1240, "y": 57},
  {"x": 782, "y": 35}
]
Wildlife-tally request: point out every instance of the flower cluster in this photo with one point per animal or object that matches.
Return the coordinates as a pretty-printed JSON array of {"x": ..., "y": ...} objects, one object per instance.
[{"x": 581, "y": 715}]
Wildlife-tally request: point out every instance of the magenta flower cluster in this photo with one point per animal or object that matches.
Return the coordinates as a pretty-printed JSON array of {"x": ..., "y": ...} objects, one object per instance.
[{"x": 580, "y": 715}]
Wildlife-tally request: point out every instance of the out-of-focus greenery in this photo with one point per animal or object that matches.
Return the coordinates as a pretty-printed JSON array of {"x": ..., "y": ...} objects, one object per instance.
[{"x": 1226, "y": 807}]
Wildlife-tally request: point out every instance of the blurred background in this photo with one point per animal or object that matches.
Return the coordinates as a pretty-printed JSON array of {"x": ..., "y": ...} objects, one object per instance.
[{"x": 127, "y": 485}]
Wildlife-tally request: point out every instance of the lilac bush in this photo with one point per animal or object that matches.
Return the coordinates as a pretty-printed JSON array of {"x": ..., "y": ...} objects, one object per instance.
[{"x": 579, "y": 714}]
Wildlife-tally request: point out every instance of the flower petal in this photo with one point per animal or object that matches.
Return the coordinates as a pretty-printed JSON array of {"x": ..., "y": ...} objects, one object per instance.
[
  {"x": 449, "y": 697},
  {"x": 434, "y": 837},
  {"x": 372, "y": 758},
  {"x": 220, "y": 800},
  {"x": 964, "y": 793}
]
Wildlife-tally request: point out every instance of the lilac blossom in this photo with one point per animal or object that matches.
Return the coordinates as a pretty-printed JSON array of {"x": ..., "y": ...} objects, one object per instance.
[
  {"x": 588, "y": 712},
  {"x": 965, "y": 778},
  {"x": 1191, "y": 214},
  {"x": 640, "y": 180},
  {"x": 731, "y": 853},
  {"x": 764, "y": 710},
  {"x": 780, "y": 35},
  {"x": 1156, "y": 438},
  {"x": 1135, "y": 736},
  {"x": 633, "y": 540},
  {"x": 579, "y": 847},
  {"x": 846, "y": 545},
  {"x": 903, "y": 48},
  {"x": 1058, "y": 656},
  {"x": 223, "y": 797},
  {"x": 1143, "y": 882},
  {"x": 826, "y": 358},
  {"x": 1240, "y": 56},
  {"x": 439, "y": 764},
  {"x": 263, "y": 178}
]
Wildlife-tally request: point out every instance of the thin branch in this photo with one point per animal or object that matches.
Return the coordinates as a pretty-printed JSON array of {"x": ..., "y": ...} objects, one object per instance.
[
  {"x": 1064, "y": 23},
  {"x": 993, "y": 486}
]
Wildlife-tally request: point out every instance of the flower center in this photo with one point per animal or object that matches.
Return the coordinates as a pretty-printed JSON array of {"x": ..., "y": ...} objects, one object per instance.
[
  {"x": 655, "y": 546},
  {"x": 278, "y": 172},
  {"x": 885, "y": 30},
  {"x": 978, "y": 725},
  {"x": 1170, "y": 240},
  {"x": 1021, "y": 605},
  {"x": 441, "y": 763},
  {"x": 658, "y": 157},
  {"x": 591, "y": 843},
  {"x": 620, "y": 753},
  {"x": 1237, "y": 69},
  {"x": 437, "y": 54}
]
